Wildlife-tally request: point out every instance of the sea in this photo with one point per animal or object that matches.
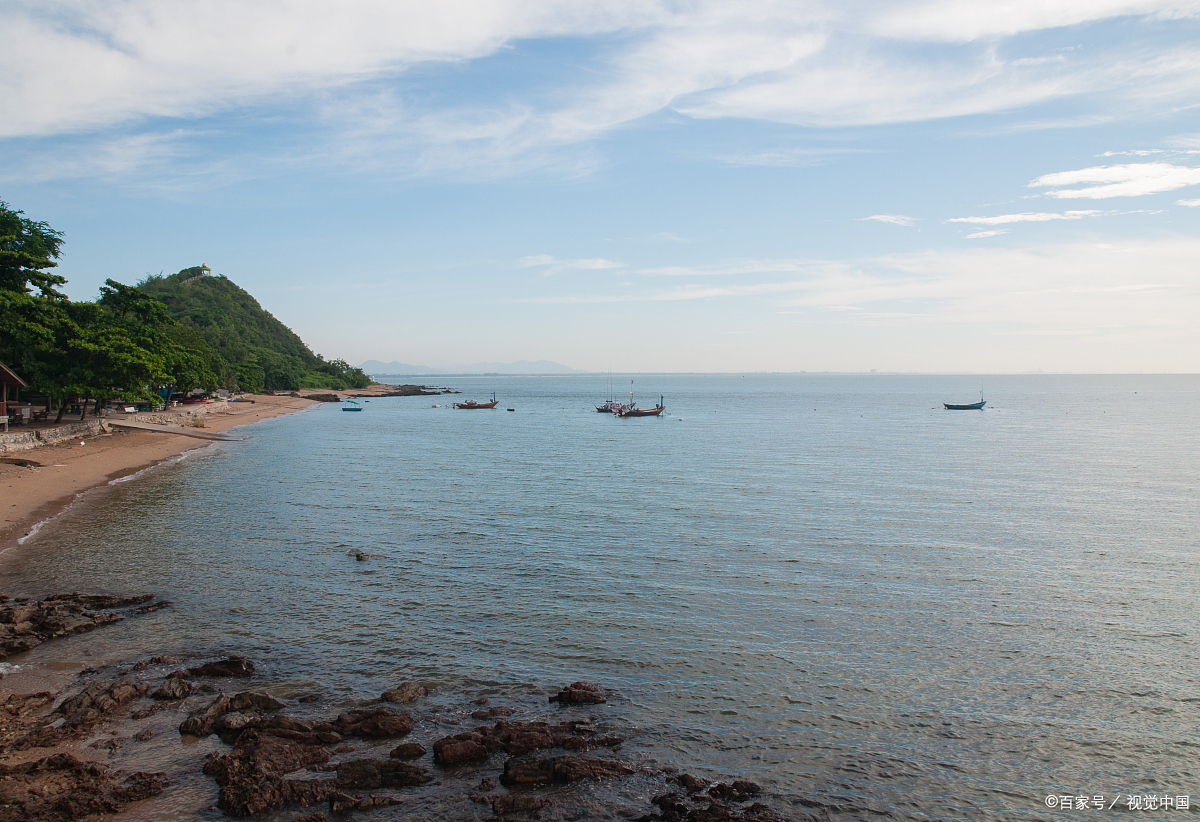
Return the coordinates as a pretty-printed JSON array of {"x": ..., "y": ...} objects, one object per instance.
[{"x": 827, "y": 584}]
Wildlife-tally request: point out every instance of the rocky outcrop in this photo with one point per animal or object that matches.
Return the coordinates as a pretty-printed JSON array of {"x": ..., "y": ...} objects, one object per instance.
[
  {"x": 377, "y": 723},
  {"x": 527, "y": 773},
  {"x": 61, "y": 787},
  {"x": 370, "y": 774},
  {"x": 580, "y": 693},
  {"x": 230, "y": 666},
  {"x": 251, "y": 776},
  {"x": 26, "y": 623}
]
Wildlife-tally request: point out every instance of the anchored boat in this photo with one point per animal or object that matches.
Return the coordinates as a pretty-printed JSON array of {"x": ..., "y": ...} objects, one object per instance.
[{"x": 471, "y": 404}]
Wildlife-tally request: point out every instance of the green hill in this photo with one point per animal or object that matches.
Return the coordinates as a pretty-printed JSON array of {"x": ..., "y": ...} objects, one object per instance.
[{"x": 261, "y": 352}]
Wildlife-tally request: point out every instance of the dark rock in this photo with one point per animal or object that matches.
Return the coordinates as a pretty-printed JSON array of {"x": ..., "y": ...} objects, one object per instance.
[
  {"x": 25, "y": 623},
  {"x": 173, "y": 689},
  {"x": 246, "y": 700},
  {"x": 486, "y": 784},
  {"x": 405, "y": 692},
  {"x": 142, "y": 736},
  {"x": 61, "y": 787},
  {"x": 312, "y": 817},
  {"x": 155, "y": 660},
  {"x": 407, "y": 750},
  {"x": 518, "y": 803},
  {"x": 251, "y": 775},
  {"x": 307, "y": 698},
  {"x": 378, "y": 723},
  {"x": 580, "y": 693},
  {"x": 559, "y": 769},
  {"x": 739, "y": 791},
  {"x": 202, "y": 722},
  {"x": 153, "y": 606},
  {"x": 369, "y": 774},
  {"x": 231, "y": 666},
  {"x": 691, "y": 783},
  {"x": 460, "y": 749},
  {"x": 297, "y": 730},
  {"x": 492, "y": 713}
]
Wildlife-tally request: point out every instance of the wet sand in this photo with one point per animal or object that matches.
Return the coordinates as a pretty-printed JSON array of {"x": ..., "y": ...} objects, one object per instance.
[{"x": 33, "y": 494}]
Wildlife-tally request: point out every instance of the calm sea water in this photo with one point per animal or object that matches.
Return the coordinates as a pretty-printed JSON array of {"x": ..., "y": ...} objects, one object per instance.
[{"x": 826, "y": 584}]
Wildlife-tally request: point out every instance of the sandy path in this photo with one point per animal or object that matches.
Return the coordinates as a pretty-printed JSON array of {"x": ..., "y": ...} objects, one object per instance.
[{"x": 30, "y": 495}]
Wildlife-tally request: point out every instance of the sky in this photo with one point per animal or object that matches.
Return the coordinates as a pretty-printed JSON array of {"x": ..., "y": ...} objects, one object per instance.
[{"x": 938, "y": 186}]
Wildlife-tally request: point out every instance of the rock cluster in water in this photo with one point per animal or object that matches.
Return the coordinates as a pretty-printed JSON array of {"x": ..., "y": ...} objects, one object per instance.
[
  {"x": 277, "y": 762},
  {"x": 27, "y": 623}
]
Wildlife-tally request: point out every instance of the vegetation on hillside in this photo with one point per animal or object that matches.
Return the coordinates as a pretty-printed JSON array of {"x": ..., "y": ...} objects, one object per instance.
[
  {"x": 261, "y": 351},
  {"x": 146, "y": 342}
]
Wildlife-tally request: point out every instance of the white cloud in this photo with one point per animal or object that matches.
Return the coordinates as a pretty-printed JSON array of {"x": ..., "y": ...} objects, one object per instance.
[
  {"x": 1129, "y": 180},
  {"x": 995, "y": 232},
  {"x": 894, "y": 219},
  {"x": 1188, "y": 203},
  {"x": 1028, "y": 217},
  {"x": 68, "y": 67},
  {"x": 555, "y": 264}
]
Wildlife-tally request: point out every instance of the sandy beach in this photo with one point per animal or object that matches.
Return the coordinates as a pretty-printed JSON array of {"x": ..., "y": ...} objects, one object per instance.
[{"x": 64, "y": 470}]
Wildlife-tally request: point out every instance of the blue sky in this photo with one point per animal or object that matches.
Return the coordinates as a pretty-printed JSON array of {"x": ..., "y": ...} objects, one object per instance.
[{"x": 945, "y": 185}]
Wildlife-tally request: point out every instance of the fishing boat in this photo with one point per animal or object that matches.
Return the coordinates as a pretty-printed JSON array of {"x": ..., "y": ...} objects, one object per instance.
[
  {"x": 971, "y": 406},
  {"x": 473, "y": 404},
  {"x": 631, "y": 411},
  {"x": 614, "y": 406},
  {"x": 353, "y": 406}
]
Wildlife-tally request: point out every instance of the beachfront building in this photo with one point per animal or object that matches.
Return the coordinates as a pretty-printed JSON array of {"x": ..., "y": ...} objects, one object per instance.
[{"x": 7, "y": 379}]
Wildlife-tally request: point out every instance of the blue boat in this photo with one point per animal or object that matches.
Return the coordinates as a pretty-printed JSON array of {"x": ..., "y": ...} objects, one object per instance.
[
  {"x": 974, "y": 406},
  {"x": 354, "y": 406}
]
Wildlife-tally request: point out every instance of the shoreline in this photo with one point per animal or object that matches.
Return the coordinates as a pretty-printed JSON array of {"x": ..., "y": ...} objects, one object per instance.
[{"x": 66, "y": 470}]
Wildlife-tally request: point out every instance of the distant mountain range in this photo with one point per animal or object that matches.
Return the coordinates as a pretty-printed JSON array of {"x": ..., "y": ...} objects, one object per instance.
[{"x": 389, "y": 369}]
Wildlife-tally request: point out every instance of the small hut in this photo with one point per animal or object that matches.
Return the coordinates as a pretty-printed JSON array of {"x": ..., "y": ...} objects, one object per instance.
[{"x": 7, "y": 378}]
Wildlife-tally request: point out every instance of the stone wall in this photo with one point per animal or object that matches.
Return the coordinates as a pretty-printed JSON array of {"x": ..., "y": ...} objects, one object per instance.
[{"x": 25, "y": 440}]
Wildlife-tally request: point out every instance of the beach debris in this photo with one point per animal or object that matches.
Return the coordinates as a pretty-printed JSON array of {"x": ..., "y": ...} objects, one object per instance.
[
  {"x": 580, "y": 693},
  {"x": 405, "y": 692},
  {"x": 60, "y": 788}
]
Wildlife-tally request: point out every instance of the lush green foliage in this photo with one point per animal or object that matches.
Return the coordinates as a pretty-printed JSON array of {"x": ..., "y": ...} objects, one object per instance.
[
  {"x": 133, "y": 340},
  {"x": 261, "y": 350}
]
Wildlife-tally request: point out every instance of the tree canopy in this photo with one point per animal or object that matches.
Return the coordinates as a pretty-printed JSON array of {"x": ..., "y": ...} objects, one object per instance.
[{"x": 139, "y": 342}]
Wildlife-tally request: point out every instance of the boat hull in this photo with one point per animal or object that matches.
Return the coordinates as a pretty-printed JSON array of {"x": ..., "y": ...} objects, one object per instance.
[
  {"x": 468, "y": 406},
  {"x": 975, "y": 406},
  {"x": 641, "y": 412}
]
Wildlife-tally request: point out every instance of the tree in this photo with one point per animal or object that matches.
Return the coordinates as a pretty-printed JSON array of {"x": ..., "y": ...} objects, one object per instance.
[{"x": 28, "y": 249}]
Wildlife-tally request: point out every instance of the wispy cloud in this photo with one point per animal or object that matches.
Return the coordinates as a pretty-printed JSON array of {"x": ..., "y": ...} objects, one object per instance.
[
  {"x": 995, "y": 232},
  {"x": 1188, "y": 203},
  {"x": 1038, "y": 217},
  {"x": 341, "y": 69},
  {"x": 894, "y": 219},
  {"x": 554, "y": 265},
  {"x": 1129, "y": 180}
]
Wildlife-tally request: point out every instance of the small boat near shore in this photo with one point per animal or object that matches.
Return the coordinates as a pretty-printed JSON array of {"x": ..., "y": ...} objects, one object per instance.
[
  {"x": 353, "y": 406},
  {"x": 471, "y": 404}
]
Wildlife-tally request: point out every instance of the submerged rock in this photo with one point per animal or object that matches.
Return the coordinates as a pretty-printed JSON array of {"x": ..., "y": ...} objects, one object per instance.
[
  {"x": 376, "y": 723},
  {"x": 405, "y": 692},
  {"x": 559, "y": 769},
  {"x": 230, "y": 666},
  {"x": 580, "y": 693},
  {"x": 380, "y": 773}
]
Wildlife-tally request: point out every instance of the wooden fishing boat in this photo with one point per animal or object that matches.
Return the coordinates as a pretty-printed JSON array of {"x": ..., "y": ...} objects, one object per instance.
[
  {"x": 643, "y": 412},
  {"x": 471, "y": 404}
]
